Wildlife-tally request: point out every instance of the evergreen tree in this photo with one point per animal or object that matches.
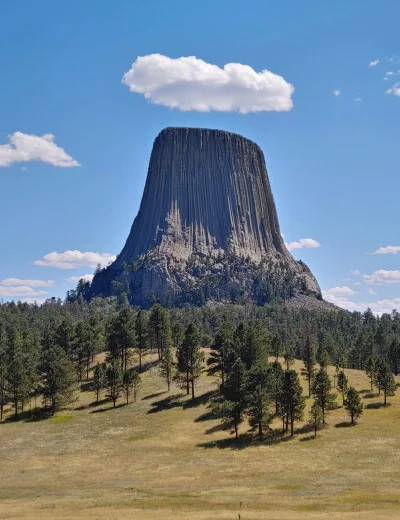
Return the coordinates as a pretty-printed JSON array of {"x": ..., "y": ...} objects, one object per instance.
[
  {"x": 257, "y": 397},
  {"x": 289, "y": 357},
  {"x": 234, "y": 393},
  {"x": 121, "y": 336},
  {"x": 3, "y": 368},
  {"x": 114, "y": 377},
  {"x": 59, "y": 379},
  {"x": 309, "y": 361},
  {"x": 167, "y": 367},
  {"x": 353, "y": 404},
  {"x": 130, "y": 381},
  {"x": 190, "y": 358},
  {"x": 178, "y": 333},
  {"x": 159, "y": 329},
  {"x": 141, "y": 335},
  {"x": 17, "y": 374},
  {"x": 99, "y": 379},
  {"x": 222, "y": 355},
  {"x": 276, "y": 383},
  {"x": 385, "y": 380},
  {"x": 321, "y": 390},
  {"x": 276, "y": 346},
  {"x": 322, "y": 357},
  {"x": 316, "y": 417},
  {"x": 371, "y": 369},
  {"x": 342, "y": 384},
  {"x": 394, "y": 356},
  {"x": 291, "y": 401}
]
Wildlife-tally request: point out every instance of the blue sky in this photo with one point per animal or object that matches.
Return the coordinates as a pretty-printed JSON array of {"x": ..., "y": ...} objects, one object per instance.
[{"x": 333, "y": 161}]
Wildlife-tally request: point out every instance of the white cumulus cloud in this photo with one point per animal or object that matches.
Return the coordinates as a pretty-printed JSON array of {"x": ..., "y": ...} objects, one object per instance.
[
  {"x": 16, "y": 292},
  {"x": 338, "y": 291},
  {"x": 355, "y": 272},
  {"x": 395, "y": 90},
  {"x": 357, "y": 100},
  {"x": 336, "y": 93},
  {"x": 388, "y": 250},
  {"x": 75, "y": 279},
  {"x": 382, "y": 277},
  {"x": 189, "y": 83},
  {"x": 373, "y": 63},
  {"x": 389, "y": 73},
  {"x": 73, "y": 259},
  {"x": 307, "y": 243},
  {"x": 29, "y": 147},
  {"x": 17, "y": 282}
]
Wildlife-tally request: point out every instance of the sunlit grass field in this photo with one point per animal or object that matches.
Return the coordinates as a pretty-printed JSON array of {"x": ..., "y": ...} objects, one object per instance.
[{"x": 165, "y": 457}]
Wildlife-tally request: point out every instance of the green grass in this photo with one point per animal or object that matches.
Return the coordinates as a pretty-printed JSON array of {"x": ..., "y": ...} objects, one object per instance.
[
  {"x": 60, "y": 419},
  {"x": 165, "y": 458}
]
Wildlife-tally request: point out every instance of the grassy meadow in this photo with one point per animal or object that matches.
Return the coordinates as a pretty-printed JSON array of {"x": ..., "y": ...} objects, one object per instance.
[{"x": 164, "y": 457}]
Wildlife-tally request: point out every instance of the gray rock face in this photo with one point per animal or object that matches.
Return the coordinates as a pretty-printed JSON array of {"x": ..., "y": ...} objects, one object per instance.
[{"x": 207, "y": 206}]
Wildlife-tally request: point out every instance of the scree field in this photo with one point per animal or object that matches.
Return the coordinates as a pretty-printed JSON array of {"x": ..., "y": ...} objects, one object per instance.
[{"x": 165, "y": 457}]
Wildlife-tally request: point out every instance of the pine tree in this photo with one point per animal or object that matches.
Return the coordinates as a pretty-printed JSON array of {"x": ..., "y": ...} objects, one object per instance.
[
  {"x": 321, "y": 390},
  {"x": 291, "y": 400},
  {"x": 342, "y": 384},
  {"x": 141, "y": 335},
  {"x": 178, "y": 333},
  {"x": 316, "y": 417},
  {"x": 222, "y": 355},
  {"x": 190, "y": 358},
  {"x": 276, "y": 383},
  {"x": 59, "y": 379},
  {"x": 130, "y": 381},
  {"x": 276, "y": 346},
  {"x": 167, "y": 367},
  {"x": 114, "y": 377},
  {"x": 99, "y": 379},
  {"x": 289, "y": 357},
  {"x": 234, "y": 393},
  {"x": 322, "y": 357},
  {"x": 3, "y": 368},
  {"x": 257, "y": 397},
  {"x": 309, "y": 361},
  {"x": 121, "y": 336},
  {"x": 371, "y": 369},
  {"x": 159, "y": 329},
  {"x": 394, "y": 355},
  {"x": 385, "y": 380},
  {"x": 353, "y": 404},
  {"x": 17, "y": 375}
]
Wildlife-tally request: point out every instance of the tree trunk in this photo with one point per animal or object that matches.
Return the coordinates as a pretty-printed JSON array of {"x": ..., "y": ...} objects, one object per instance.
[
  {"x": 169, "y": 384},
  {"x": 309, "y": 386},
  {"x": 260, "y": 432},
  {"x": 1, "y": 409},
  {"x": 291, "y": 426},
  {"x": 192, "y": 387},
  {"x": 283, "y": 425},
  {"x": 315, "y": 430},
  {"x": 384, "y": 396},
  {"x": 352, "y": 418},
  {"x": 140, "y": 359},
  {"x": 187, "y": 382},
  {"x": 87, "y": 368},
  {"x": 127, "y": 397},
  {"x": 371, "y": 385},
  {"x": 276, "y": 404},
  {"x": 235, "y": 425}
]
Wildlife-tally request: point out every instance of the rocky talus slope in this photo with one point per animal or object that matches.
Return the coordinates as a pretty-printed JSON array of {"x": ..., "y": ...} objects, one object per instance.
[{"x": 207, "y": 228}]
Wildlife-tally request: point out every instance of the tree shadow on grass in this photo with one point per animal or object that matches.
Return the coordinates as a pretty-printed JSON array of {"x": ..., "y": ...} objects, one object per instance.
[
  {"x": 101, "y": 410},
  {"x": 29, "y": 416},
  {"x": 370, "y": 395},
  {"x": 306, "y": 428},
  {"x": 375, "y": 406},
  {"x": 365, "y": 391},
  {"x": 344, "y": 424},
  {"x": 216, "y": 428},
  {"x": 201, "y": 399},
  {"x": 166, "y": 404},
  {"x": 206, "y": 416},
  {"x": 247, "y": 440},
  {"x": 308, "y": 438},
  {"x": 87, "y": 386},
  {"x": 152, "y": 396}
]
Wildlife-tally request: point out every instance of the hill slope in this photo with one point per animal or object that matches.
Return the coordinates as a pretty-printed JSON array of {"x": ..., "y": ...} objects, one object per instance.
[{"x": 163, "y": 457}]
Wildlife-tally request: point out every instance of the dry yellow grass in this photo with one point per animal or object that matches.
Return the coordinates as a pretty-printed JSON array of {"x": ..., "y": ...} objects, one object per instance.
[{"x": 164, "y": 458}]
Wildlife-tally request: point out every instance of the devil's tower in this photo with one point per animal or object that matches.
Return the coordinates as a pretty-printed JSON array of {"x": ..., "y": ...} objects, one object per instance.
[{"x": 207, "y": 228}]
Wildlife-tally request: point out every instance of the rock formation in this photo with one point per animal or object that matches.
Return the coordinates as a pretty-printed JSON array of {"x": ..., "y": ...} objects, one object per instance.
[{"x": 207, "y": 228}]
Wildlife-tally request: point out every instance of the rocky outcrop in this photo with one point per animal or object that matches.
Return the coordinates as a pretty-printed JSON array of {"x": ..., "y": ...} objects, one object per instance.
[{"x": 207, "y": 227}]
